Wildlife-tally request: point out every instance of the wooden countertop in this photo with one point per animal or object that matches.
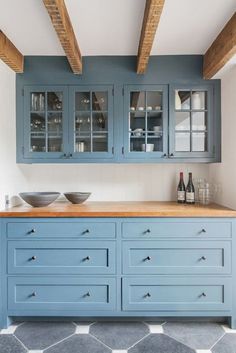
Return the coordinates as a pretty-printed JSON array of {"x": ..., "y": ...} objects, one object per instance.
[{"x": 120, "y": 209}]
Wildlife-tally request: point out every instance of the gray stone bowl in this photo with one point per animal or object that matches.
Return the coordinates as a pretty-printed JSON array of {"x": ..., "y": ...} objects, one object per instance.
[
  {"x": 77, "y": 197},
  {"x": 39, "y": 199}
]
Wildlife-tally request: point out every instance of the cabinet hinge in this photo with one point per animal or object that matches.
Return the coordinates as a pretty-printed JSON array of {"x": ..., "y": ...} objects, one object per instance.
[
  {"x": 22, "y": 92},
  {"x": 112, "y": 150},
  {"x": 113, "y": 91},
  {"x": 123, "y": 150}
]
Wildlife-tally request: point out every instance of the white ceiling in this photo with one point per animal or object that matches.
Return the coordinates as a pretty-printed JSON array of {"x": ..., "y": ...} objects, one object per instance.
[{"x": 112, "y": 27}]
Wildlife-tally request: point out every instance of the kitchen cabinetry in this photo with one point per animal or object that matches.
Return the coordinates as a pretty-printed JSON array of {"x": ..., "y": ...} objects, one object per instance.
[
  {"x": 160, "y": 123},
  {"x": 117, "y": 267}
]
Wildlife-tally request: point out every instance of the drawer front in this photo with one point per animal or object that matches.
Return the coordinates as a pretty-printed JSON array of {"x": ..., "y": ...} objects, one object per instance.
[
  {"x": 160, "y": 229},
  {"x": 62, "y": 293},
  {"x": 181, "y": 293},
  {"x": 83, "y": 230},
  {"x": 62, "y": 257},
  {"x": 169, "y": 257}
]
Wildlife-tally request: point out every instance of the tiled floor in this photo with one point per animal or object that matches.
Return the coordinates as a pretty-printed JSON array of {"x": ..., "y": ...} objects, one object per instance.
[{"x": 117, "y": 337}]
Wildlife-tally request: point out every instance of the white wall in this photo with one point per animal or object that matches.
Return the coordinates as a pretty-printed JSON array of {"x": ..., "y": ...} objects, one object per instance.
[
  {"x": 11, "y": 176},
  {"x": 106, "y": 182},
  {"x": 225, "y": 173}
]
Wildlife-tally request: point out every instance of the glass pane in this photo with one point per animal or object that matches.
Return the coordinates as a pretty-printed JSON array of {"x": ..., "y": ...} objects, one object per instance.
[
  {"x": 82, "y": 101},
  {"x": 83, "y": 143},
  {"x": 154, "y": 100},
  {"x": 137, "y": 121},
  {"x": 199, "y": 121},
  {"x": 38, "y": 101},
  {"x": 55, "y": 122},
  {"x": 137, "y": 101},
  {"x": 37, "y": 122},
  {"x": 182, "y": 142},
  {"x": 154, "y": 122},
  {"x": 82, "y": 122},
  {"x": 99, "y": 100},
  {"x": 37, "y": 142},
  {"x": 154, "y": 144},
  {"x": 137, "y": 144},
  {"x": 199, "y": 142},
  {"x": 100, "y": 143},
  {"x": 182, "y": 121},
  {"x": 182, "y": 100},
  {"x": 199, "y": 100},
  {"x": 100, "y": 122},
  {"x": 55, "y": 101},
  {"x": 55, "y": 143}
]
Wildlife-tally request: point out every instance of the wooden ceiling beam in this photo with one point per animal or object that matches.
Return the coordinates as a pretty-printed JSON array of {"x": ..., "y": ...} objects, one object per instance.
[
  {"x": 221, "y": 50},
  {"x": 152, "y": 15},
  {"x": 10, "y": 54},
  {"x": 62, "y": 24}
]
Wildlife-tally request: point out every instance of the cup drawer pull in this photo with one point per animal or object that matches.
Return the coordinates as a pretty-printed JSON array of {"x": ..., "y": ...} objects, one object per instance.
[
  {"x": 148, "y": 258},
  {"x": 87, "y": 258},
  {"x": 203, "y": 294},
  {"x": 87, "y": 295},
  {"x": 203, "y": 258},
  {"x": 86, "y": 231},
  {"x": 32, "y": 231},
  {"x": 147, "y": 295},
  {"x": 147, "y": 231},
  {"x": 33, "y": 258},
  {"x": 33, "y": 294}
]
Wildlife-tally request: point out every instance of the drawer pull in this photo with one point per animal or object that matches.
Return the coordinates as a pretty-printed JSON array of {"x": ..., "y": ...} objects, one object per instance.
[
  {"x": 203, "y": 294},
  {"x": 148, "y": 258},
  {"x": 147, "y": 295},
  {"x": 147, "y": 231},
  {"x": 86, "y": 231},
  {"x": 203, "y": 258},
  {"x": 87, "y": 294},
  {"x": 33, "y": 294},
  {"x": 87, "y": 258},
  {"x": 32, "y": 231},
  {"x": 33, "y": 258},
  {"x": 203, "y": 230}
]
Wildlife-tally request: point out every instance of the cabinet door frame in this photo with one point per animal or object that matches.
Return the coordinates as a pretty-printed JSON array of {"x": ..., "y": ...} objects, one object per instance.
[
  {"x": 84, "y": 156},
  {"x": 145, "y": 155},
  {"x": 27, "y": 154},
  {"x": 210, "y": 121}
]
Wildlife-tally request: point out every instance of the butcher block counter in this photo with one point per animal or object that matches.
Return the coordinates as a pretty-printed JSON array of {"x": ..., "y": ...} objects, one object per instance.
[
  {"x": 120, "y": 209},
  {"x": 118, "y": 259}
]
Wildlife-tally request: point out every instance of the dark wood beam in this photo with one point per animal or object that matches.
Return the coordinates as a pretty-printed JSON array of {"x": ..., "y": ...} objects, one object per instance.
[
  {"x": 61, "y": 22},
  {"x": 152, "y": 15},
  {"x": 221, "y": 50},
  {"x": 10, "y": 54}
]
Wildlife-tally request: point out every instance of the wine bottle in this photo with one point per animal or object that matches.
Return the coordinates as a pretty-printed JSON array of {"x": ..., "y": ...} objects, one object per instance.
[
  {"x": 190, "y": 192},
  {"x": 181, "y": 189}
]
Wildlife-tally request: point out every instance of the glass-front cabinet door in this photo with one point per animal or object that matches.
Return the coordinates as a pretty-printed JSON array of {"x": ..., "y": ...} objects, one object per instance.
[
  {"x": 146, "y": 121},
  {"x": 44, "y": 113},
  {"x": 191, "y": 121},
  {"x": 91, "y": 122}
]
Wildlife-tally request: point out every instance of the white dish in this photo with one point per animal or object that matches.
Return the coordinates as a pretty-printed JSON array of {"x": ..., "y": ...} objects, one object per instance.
[{"x": 149, "y": 147}]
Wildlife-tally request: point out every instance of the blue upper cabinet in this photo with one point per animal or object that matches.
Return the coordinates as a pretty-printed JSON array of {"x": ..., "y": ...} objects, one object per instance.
[
  {"x": 91, "y": 122},
  {"x": 45, "y": 125},
  {"x": 145, "y": 121},
  {"x": 192, "y": 122}
]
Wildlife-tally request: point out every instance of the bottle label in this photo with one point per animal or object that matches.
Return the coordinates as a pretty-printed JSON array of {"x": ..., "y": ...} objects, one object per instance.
[
  {"x": 190, "y": 196},
  {"x": 181, "y": 196}
]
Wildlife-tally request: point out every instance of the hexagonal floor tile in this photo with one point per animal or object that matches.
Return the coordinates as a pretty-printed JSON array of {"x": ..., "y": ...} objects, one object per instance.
[
  {"x": 119, "y": 335},
  {"x": 160, "y": 343},
  {"x": 40, "y": 335},
  {"x": 9, "y": 344},
  {"x": 196, "y": 335},
  {"x": 226, "y": 344},
  {"x": 79, "y": 344}
]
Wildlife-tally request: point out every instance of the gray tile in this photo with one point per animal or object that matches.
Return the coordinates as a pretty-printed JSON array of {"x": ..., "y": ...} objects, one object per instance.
[
  {"x": 79, "y": 344},
  {"x": 9, "y": 344},
  {"x": 160, "y": 343},
  {"x": 119, "y": 335},
  {"x": 226, "y": 344},
  {"x": 197, "y": 335},
  {"x": 40, "y": 335}
]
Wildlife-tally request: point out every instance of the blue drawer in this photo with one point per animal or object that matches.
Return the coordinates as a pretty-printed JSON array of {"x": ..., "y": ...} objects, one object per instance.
[
  {"x": 172, "y": 228},
  {"x": 72, "y": 257},
  {"x": 83, "y": 229},
  {"x": 176, "y": 293},
  {"x": 180, "y": 257},
  {"x": 61, "y": 293}
]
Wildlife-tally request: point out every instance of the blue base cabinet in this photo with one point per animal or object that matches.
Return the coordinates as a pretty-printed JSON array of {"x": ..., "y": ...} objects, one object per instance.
[{"x": 115, "y": 267}]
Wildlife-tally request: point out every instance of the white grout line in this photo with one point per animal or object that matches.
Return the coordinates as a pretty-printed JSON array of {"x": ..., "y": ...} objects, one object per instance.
[
  {"x": 54, "y": 344},
  {"x": 218, "y": 340},
  {"x": 21, "y": 342},
  {"x": 97, "y": 339},
  {"x": 227, "y": 329},
  {"x": 139, "y": 341}
]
